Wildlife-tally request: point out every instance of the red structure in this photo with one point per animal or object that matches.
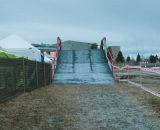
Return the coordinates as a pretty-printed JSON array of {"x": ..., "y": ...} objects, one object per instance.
[
  {"x": 102, "y": 43},
  {"x": 59, "y": 47}
]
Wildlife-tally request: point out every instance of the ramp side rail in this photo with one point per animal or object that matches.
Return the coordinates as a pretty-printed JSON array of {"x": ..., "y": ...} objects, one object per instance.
[{"x": 58, "y": 48}]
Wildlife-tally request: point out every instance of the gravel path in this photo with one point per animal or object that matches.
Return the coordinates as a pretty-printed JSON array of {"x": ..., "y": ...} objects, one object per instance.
[{"x": 79, "y": 107}]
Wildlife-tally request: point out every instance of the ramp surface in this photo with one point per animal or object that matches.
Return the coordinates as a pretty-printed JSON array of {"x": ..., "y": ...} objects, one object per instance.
[{"x": 83, "y": 66}]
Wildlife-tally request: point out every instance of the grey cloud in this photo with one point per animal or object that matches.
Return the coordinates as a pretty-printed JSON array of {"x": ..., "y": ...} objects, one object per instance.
[{"x": 130, "y": 24}]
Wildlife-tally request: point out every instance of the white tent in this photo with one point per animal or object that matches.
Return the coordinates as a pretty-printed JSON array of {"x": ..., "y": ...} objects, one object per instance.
[
  {"x": 20, "y": 47},
  {"x": 47, "y": 60}
]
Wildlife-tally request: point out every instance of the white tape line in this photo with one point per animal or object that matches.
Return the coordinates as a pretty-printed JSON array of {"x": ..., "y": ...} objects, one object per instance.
[
  {"x": 139, "y": 85},
  {"x": 145, "y": 89}
]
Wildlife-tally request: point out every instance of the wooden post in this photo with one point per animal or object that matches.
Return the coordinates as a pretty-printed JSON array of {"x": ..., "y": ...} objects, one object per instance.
[
  {"x": 37, "y": 74},
  {"x": 128, "y": 72},
  {"x": 44, "y": 75},
  {"x": 50, "y": 74},
  {"x": 140, "y": 75},
  {"x": 24, "y": 87},
  {"x": 15, "y": 76}
]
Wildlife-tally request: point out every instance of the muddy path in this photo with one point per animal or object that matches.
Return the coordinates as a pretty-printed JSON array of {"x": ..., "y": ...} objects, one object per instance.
[{"x": 82, "y": 107}]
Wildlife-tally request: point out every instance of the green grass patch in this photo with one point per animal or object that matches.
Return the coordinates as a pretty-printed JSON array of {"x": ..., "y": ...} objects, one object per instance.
[{"x": 7, "y": 55}]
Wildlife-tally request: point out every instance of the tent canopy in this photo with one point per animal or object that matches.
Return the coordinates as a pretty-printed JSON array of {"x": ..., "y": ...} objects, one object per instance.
[
  {"x": 14, "y": 42},
  {"x": 47, "y": 60},
  {"x": 5, "y": 54},
  {"x": 16, "y": 45}
]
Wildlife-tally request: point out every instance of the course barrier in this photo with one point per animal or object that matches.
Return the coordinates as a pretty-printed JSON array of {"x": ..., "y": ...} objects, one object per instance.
[
  {"x": 146, "y": 77},
  {"x": 58, "y": 48}
]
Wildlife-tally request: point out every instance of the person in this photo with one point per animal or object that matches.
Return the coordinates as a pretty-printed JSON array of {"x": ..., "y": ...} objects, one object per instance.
[
  {"x": 59, "y": 42},
  {"x": 60, "y": 45},
  {"x": 101, "y": 46}
]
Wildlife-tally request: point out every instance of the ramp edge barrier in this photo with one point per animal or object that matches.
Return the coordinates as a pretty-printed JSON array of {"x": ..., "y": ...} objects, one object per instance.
[
  {"x": 145, "y": 89},
  {"x": 58, "y": 48},
  {"x": 131, "y": 71}
]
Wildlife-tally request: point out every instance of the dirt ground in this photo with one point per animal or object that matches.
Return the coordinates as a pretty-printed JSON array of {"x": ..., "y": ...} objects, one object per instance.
[{"x": 82, "y": 107}]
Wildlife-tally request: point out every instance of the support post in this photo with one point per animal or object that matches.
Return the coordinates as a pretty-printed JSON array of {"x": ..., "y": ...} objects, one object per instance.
[
  {"x": 50, "y": 74},
  {"x": 44, "y": 74},
  {"x": 24, "y": 83},
  {"x": 37, "y": 74},
  {"x": 140, "y": 75}
]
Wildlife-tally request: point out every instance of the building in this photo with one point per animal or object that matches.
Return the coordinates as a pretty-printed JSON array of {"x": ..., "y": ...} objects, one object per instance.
[
  {"x": 49, "y": 50},
  {"x": 75, "y": 45}
]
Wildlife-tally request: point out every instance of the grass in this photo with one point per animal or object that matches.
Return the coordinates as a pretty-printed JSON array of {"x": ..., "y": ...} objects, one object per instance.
[
  {"x": 7, "y": 55},
  {"x": 144, "y": 97},
  {"x": 79, "y": 106}
]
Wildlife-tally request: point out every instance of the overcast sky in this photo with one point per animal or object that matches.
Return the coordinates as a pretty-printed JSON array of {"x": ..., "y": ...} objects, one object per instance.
[{"x": 131, "y": 24}]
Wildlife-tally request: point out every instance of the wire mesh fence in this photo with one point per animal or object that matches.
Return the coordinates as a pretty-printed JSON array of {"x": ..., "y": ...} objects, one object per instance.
[{"x": 21, "y": 75}]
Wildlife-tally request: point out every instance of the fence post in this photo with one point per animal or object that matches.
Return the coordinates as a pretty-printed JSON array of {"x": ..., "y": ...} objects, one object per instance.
[
  {"x": 119, "y": 75},
  {"x": 15, "y": 77},
  {"x": 53, "y": 70},
  {"x": 44, "y": 75},
  {"x": 140, "y": 75},
  {"x": 37, "y": 74},
  {"x": 51, "y": 74},
  {"x": 128, "y": 74},
  {"x": 24, "y": 87}
]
